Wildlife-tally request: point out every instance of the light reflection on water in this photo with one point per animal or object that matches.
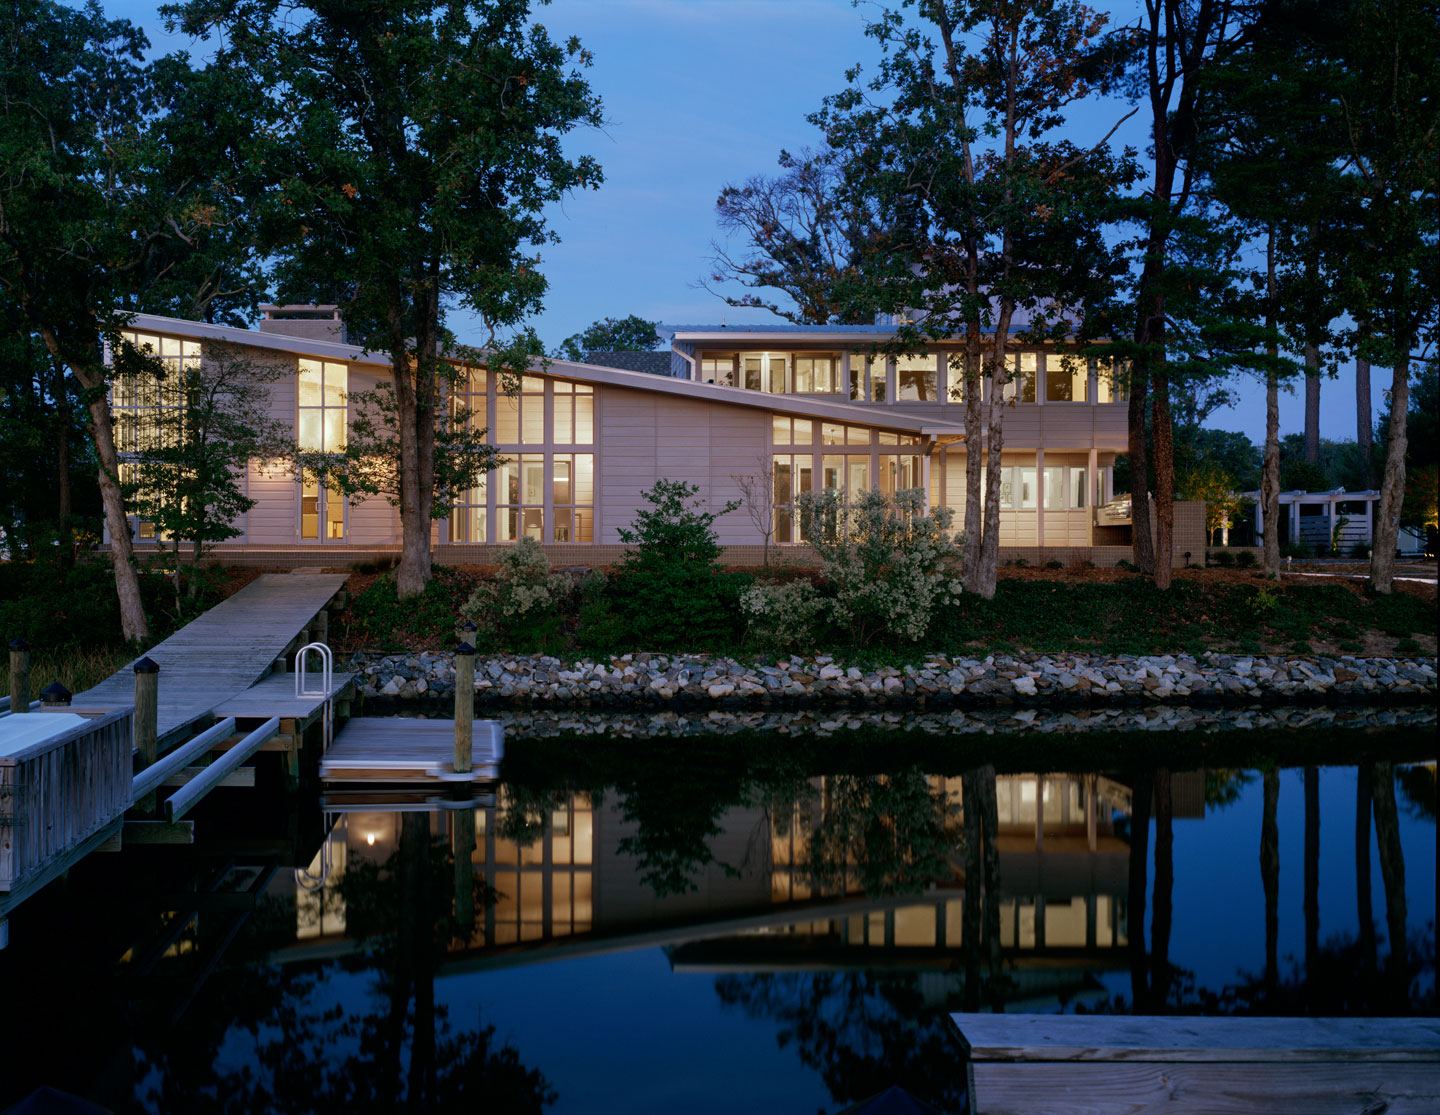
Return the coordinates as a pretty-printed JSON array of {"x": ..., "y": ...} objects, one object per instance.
[{"x": 637, "y": 921}]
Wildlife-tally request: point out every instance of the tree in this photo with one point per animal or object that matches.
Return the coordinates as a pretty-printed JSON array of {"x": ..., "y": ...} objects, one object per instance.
[
  {"x": 406, "y": 154},
  {"x": 807, "y": 237},
  {"x": 88, "y": 203},
  {"x": 183, "y": 468},
  {"x": 1422, "y": 448},
  {"x": 1216, "y": 488},
  {"x": 950, "y": 146},
  {"x": 1180, "y": 43},
  {"x": 626, "y": 334},
  {"x": 1383, "y": 75}
]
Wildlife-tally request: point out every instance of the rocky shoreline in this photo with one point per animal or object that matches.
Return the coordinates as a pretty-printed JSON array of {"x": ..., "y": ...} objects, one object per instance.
[{"x": 638, "y": 681}]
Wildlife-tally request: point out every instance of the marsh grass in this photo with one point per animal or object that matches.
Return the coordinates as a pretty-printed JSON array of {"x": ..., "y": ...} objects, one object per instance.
[{"x": 76, "y": 668}]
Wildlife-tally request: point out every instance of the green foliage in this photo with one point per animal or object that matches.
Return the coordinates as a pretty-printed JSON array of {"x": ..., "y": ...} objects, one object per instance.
[
  {"x": 1245, "y": 559},
  {"x": 1222, "y": 559},
  {"x": 381, "y": 620},
  {"x": 887, "y": 565},
  {"x": 627, "y": 334},
  {"x": 520, "y": 608},
  {"x": 784, "y": 615},
  {"x": 669, "y": 591}
]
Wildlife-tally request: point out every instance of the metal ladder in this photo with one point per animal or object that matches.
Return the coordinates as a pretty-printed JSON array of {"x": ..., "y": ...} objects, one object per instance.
[{"x": 327, "y": 675}]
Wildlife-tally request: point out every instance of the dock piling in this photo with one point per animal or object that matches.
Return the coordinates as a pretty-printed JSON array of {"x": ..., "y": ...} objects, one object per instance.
[
  {"x": 19, "y": 676},
  {"x": 464, "y": 706},
  {"x": 147, "y": 721},
  {"x": 54, "y": 695}
]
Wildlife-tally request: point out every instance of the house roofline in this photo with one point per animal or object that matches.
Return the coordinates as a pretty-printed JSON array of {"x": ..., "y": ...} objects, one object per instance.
[{"x": 800, "y": 407}]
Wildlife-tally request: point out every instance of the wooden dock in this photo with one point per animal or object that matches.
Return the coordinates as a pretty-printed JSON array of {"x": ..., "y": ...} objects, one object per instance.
[
  {"x": 226, "y": 651},
  {"x": 403, "y": 749},
  {"x": 1103, "y": 1064}
]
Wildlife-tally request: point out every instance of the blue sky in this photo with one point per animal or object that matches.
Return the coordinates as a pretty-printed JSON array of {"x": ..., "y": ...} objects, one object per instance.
[{"x": 700, "y": 93}]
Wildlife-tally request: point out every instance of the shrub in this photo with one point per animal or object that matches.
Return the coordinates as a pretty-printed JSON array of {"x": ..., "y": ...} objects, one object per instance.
[
  {"x": 381, "y": 620},
  {"x": 1222, "y": 559},
  {"x": 887, "y": 565},
  {"x": 669, "y": 591},
  {"x": 1265, "y": 601},
  {"x": 785, "y": 614},
  {"x": 1294, "y": 550},
  {"x": 1245, "y": 559},
  {"x": 1054, "y": 565},
  {"x": 520, "y": 607},
  {"x": 1126, "y": 565},
  {"x": 1361, "y": 550}
]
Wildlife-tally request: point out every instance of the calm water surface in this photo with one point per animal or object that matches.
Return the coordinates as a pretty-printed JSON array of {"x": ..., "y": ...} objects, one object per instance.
[{"x": 722, "y": 923}]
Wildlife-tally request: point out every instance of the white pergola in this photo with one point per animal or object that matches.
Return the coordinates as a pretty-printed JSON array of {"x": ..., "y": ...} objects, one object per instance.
[{"x": 1357, "y": 530}]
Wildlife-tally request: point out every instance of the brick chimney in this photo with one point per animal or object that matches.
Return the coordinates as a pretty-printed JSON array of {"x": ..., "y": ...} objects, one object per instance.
[{"x": 304, "y": 319}]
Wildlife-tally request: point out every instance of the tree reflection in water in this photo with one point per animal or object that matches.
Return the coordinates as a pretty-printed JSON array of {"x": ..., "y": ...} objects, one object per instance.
[{"x": 294, "y": 1040}]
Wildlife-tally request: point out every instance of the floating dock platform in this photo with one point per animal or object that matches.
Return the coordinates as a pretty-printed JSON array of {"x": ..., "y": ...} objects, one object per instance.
[{"x": 400, "y": 749}]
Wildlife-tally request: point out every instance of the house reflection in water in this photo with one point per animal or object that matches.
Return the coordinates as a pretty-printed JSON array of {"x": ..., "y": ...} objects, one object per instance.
[{"x": 575, "y": 882}]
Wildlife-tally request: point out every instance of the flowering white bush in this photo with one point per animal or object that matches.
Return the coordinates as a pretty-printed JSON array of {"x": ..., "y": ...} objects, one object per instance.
[
  {"x": 523, "y": 590},
  {"x": 783, "y": 614},
  {"x": 888, "y": 564}
]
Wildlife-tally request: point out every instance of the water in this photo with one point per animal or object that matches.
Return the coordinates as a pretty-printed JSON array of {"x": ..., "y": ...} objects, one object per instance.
[{"x": 758, "y": 920}]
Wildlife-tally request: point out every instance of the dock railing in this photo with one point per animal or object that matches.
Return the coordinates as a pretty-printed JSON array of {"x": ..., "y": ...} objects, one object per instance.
[
  {"x": 59, "y": 791},
  {"x": 327, "y": 684}
]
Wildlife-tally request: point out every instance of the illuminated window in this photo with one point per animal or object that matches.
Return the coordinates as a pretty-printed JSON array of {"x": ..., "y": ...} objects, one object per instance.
[
  {"x": 1020, "y": 372},
  {"x": 574, "y": 413},
  {"x": 898, "y": 472},
  {"x": 1076, "y": 492},
  {"x": 147, "y": 408},
  {"x": 792, "y": 431},
  {"x": 470, "y": 521},
  {"x": 520, "y": 418},
  {"x": 917, "y": 379},
  {"x": 765, "y": 371},
  {"x": 719, "y": 370},
  {"x": 1017, "y": 488},
  {"x": 1066, "y": 378},
  {"x": 1112, "y": 383},
  {"x": 791, "y": 475},
  {"x": 322, "y": 389},
  {"x": 818, "y": 375},
  {"x": 521, "y": 495},
  {"x": 574, "y": 497},
  {"x": 1054, "y": 488}
]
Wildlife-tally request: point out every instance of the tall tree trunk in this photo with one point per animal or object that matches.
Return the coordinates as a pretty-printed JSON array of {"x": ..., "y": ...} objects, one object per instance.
[
  {"x": 1392, "y": 872},
  {"x": 1392, "y": 484},
  {"x": 1163, "y": 434},
  {"x": 1364, "y": 913},
  {"x": 414, "y": 380},
  {"x": 974, "y": 851},
  {"x": 1142, "y": 791},
  {"x": 1162, "y": 916},
  {"x": 974, "y": 448},
  {"x": 63, "y": 418},
  {"x": 994, "y": 444},
  {"x": 1270, "y": 471},
  {"x": 1312, "y": 403},
  {"x": 1142, "y": 541},
  {"x": 1270, "y": 876},
  {"x": 1312, "y": 877},
  {"x": 1364, "y": 427},
  {"x": 133, "y": 625}
]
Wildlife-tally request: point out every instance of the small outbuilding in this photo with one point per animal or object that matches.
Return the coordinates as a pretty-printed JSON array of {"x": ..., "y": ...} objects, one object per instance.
[{"x": 1322, "y": 519}]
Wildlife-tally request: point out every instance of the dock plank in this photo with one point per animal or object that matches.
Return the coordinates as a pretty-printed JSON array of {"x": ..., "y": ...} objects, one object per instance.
[{"x": 387, "y": 749}]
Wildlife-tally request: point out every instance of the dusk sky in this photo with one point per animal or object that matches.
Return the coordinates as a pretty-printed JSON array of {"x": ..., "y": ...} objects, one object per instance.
[{"x": 700, "y": 93}]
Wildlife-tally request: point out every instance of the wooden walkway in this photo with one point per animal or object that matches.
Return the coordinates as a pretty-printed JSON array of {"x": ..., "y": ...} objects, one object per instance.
[
  {"x": 1034, "y": 1064},
  {"x": 404, "y": 749},
  {"x": 224, "y": 652}
]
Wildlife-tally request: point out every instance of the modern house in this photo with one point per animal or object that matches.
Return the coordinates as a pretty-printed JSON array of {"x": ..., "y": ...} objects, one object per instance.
[{"x": 772, "y": 410}]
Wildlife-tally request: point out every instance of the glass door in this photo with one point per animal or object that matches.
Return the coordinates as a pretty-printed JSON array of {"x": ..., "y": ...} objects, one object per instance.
[{"x": 322, "y": 514}]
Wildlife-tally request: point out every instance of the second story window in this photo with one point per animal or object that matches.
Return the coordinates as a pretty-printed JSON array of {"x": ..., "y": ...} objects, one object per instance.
[
  {"x": 323, "y": 390},
  {"x": 916, "y": 379},
  {"x": 818, "y": 375},
  {"x": 1066, "y": 378},
  {"x": 1021, "y": 368}
]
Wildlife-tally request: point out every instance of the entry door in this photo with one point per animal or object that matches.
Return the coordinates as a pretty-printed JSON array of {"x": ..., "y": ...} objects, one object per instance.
[{"x": 322, "y": 514}]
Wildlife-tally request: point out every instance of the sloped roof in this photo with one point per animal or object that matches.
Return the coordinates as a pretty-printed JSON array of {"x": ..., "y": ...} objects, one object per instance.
[{"x": 653, "y": 363}]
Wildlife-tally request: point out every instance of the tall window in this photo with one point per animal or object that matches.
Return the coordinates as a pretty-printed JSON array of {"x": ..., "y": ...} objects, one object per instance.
[
  {"x": 322, "y": 388},
  {"x": 899, "y": 472},
  {"x": 147, "y": 409},
  {"x": 521, "y": 510},
  {"x": 1017, "y": 488},
  {"x": 765, "y": 371},
  {"x": 574, "y": 497},
  {"x": 792, "y": 475},
  {"x": 1020, "y": 370},
  {"x": 574, "y": 414},
  {"x": 1066, "y": 378},
  {"x": 916, "y": 379},
  {"x": 520, "y": 418},
  {"x": 1112, "y": 384}
]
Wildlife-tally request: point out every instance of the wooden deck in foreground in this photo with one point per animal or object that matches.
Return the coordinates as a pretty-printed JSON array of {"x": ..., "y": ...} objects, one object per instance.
[
  {"x": 1110, "y": 1064},
  {"x": 406, "y": 750},
  {"x": 224, "y": 652}
]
